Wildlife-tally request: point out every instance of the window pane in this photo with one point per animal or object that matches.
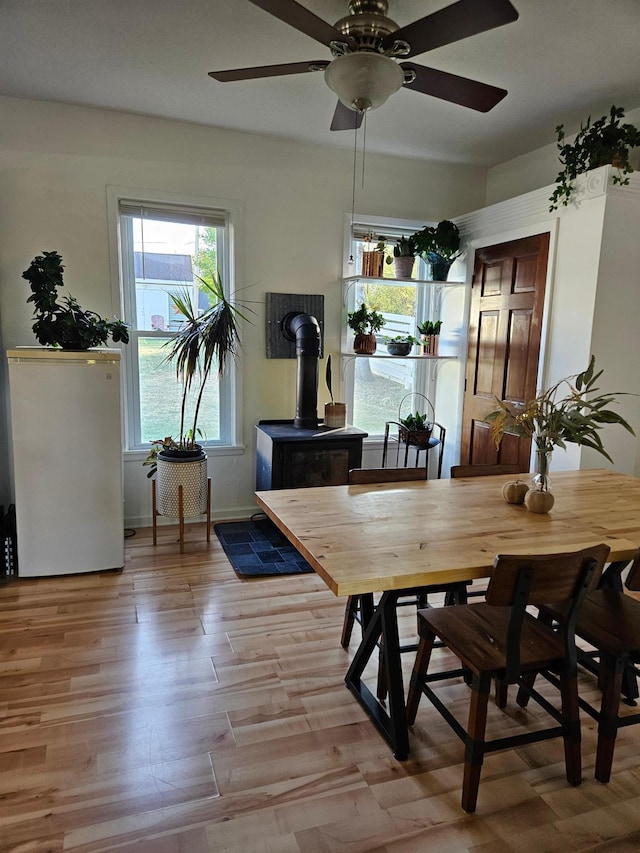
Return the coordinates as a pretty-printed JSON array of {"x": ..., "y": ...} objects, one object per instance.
[
  {"x": 161, "y": 396},
  {"x": 379, "y": 385},
  {"x": 166, "y": 256},
  {"x": 379, "y": 388}
]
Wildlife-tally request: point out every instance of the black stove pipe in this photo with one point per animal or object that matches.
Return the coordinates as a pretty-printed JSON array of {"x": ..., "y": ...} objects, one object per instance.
[{"x": 305, "y": 331}]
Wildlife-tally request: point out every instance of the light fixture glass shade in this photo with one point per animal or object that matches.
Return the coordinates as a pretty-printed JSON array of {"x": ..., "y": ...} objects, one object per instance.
[{"x": 363, "y": 81}]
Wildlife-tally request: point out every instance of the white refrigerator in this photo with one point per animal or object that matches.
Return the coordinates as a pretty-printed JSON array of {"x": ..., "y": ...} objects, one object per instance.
[{"x": 67, "y": 460}]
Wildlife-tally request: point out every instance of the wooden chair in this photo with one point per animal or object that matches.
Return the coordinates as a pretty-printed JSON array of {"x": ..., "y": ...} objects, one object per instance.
[
  {"x": 483, "y": 470},
  {"x": 360, "y": 607},
  {"x": 609, "y": 621},
  {"x": 500, "y": 639}
]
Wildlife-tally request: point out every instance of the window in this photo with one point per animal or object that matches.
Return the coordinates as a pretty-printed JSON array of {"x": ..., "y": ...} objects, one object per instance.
[
  {"x": 381, "y": 389},
  {"x": 166, "y": 250}
]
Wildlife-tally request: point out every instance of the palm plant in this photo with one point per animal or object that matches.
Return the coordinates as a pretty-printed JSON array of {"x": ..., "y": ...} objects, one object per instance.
[{"x": 204, "y": 339}]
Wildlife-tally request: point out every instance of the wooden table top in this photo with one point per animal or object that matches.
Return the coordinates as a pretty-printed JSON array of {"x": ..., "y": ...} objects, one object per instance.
[{"x": 392, "y": 536}]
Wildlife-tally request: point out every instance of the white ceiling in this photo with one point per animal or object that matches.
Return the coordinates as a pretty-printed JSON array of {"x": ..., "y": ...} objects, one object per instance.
[{"x": 561, "y": 61}]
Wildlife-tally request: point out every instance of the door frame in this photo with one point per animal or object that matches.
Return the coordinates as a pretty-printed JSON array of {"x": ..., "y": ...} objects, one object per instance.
[{"x": 548, "y": 225}]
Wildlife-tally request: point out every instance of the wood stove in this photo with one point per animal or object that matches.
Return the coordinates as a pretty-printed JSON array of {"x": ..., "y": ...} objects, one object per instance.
[
  {"x": 303, "y": 452},
  {"x": 291, "y": 457}
]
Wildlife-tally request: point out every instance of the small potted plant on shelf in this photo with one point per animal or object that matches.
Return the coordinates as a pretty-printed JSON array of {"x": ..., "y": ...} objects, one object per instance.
[
  {"x": 603, "y": 142},
  {"x": 64, "y": 324},
  {"x": 365, "y": 322},
  {"x": 400, "y": 345},
  {"x": 373, "y": 256},
  {"x": 335, "y": 414},
  {"x": 439, "y": 245},
  {"x": 430, "y": 336},
  {"x": 404, "y": 256}
]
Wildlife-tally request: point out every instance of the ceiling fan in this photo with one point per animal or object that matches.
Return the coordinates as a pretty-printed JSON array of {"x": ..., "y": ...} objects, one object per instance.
[{"x": 366, "y": 45}]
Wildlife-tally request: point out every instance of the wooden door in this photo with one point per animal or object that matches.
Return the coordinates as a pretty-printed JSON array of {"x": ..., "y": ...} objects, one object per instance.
[{"x": 507, "y": 301}]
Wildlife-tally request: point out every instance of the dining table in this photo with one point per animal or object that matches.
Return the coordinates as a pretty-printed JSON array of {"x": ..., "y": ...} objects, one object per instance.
[{"x": 393, "y": 538}]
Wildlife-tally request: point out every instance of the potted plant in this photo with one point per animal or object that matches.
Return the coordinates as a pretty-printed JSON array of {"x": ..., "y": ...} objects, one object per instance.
[
  {"x": 365, "y": 322},
  {"x": 430, "y": 336},
  {"x": 203, "y": 340},
  {"x": 439, "y": 245},
  {"x": 64, "y": 324},
  {"x": 605, "y": 141},
  {"x": 553, "y": 421},
  {"x": 415, "y": 429},
  {"x": 373, "y": 256},
  {"x": 400, "y": 345},
  {"x": 404, "y": 255},
  {"x": 335, "y": 414}
]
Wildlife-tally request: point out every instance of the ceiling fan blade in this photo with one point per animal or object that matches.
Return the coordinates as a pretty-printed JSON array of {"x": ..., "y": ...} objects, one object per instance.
[
  {"x": 345, "y": 119},
  {"x": 450, "y": 87},
  {"x": 458, "y": 21},
  {"x": 267, "y": 71},
  {"x": 302, "y": 19}
]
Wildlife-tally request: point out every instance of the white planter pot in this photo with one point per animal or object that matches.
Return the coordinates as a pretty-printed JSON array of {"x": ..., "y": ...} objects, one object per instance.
[{"x": 192, "y": 476}]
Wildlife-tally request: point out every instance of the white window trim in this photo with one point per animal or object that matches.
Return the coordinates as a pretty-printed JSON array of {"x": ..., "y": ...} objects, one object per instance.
[{"x": 231, "y": 392}]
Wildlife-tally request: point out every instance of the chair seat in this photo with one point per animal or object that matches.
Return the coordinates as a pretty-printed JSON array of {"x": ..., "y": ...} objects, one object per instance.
[
  {"x": 608, "y": 620},
  {"x": 477, "y": 633}
]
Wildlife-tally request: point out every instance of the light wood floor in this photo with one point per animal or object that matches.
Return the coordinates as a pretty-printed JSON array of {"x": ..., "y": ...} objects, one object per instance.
[{"x": 173, "y": 708}]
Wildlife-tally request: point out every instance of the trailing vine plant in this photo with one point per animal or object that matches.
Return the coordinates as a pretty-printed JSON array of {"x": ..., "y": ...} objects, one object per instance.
[{"x": 605, "y": 141}]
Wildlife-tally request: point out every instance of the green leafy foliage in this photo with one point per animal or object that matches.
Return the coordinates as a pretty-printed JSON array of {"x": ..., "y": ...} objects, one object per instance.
[
  {"x": 430, "y": 327},
  {"x": 416, "y": 422},
  {"x": 442, "y": 240},
  {"x": 553, "y": 422},
  {"x": 600, "y": 143},
  {"x": 203, "y": 340},
  {"x": 63, "y": 323},
  {"x": 405, "y": 247},
  {"x": 401, "y": 339},
  {"x": 365, "y": 320},
  {"x": 327, "y": 376}
]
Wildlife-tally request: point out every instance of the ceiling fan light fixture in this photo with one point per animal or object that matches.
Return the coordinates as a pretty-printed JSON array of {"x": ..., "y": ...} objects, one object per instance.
[{"x": 363, "y": 81}]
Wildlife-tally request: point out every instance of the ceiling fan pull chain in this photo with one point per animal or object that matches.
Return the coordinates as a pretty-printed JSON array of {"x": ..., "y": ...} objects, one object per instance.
[
  {"x": 353, "y": 187},
  {"x": 364, "y": 145}
]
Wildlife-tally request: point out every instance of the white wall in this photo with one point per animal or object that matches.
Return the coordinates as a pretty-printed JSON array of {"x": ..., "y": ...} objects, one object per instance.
[{"x": 56, "y": 163}]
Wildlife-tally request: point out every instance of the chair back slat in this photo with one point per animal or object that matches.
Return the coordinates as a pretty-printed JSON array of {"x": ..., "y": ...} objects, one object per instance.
[
  {"x": 483, "y": 470},
  {"x": 556, "y": 577},
  {"x": 633, "y": 578},
  {"x": 550, "y": 578},
  {"x": 361, "y": 476}
]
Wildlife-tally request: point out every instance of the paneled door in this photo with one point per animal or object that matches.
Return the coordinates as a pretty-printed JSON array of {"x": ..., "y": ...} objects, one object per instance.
[{"x": 507, "y": 301}]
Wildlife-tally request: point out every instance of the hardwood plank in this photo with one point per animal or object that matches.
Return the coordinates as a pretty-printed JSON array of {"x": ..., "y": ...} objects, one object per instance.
[{"x": 221, "y": 722}]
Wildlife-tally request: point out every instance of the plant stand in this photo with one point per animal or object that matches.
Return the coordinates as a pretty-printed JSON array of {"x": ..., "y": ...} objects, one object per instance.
[
  {"x": 406, "y": 438},
  {"x": 155, "y": 512}
]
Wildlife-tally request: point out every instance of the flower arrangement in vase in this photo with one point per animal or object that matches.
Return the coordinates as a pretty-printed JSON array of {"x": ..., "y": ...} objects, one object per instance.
[{"x": 551, "y": 420}]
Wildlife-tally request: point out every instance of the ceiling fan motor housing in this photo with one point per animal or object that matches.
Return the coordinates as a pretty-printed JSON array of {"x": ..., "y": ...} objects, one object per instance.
[{"x": 367, "y": 23}]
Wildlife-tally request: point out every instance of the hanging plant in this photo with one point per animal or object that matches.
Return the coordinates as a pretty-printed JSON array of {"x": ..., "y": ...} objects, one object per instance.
[{"x": 603, "y": 142}]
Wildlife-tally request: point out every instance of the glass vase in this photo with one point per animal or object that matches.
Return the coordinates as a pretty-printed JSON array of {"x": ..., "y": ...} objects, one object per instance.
[{"x": 541, "y": 481}]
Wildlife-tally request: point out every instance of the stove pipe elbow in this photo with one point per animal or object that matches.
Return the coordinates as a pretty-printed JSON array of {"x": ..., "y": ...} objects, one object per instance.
[{"x": 305, "y": 331}]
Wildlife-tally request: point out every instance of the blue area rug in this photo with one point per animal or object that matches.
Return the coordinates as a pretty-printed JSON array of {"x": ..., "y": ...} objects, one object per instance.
[{"x": 258, "y": 549}]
